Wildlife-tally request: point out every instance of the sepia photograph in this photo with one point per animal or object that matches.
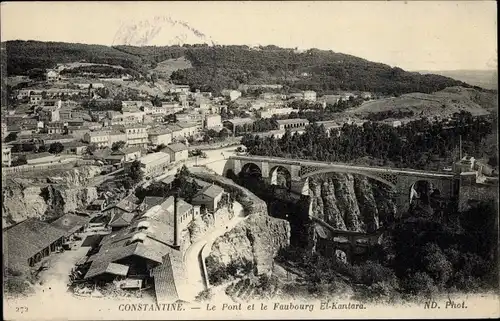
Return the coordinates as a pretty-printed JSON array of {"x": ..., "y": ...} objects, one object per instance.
[{"x": 169, "y": 160}]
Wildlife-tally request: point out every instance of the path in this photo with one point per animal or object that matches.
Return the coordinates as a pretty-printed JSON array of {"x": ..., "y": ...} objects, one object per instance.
[{"x": 195, "y": 272}]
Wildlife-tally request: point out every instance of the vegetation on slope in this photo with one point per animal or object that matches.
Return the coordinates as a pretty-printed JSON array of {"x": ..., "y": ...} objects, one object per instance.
[
  {"x": 418, "y": 144},
  {"x": 219, "y": 67}
]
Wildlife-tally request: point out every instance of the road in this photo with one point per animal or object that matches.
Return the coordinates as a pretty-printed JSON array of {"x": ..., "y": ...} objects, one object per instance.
[
  {"x": 213, "y": 156},
  {"x": 199, "y": 250},
  {"x": 347, "y": 167}
]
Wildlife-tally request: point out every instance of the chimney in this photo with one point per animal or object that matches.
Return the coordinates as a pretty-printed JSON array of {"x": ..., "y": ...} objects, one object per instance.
[{"x": 176, "y": 224}]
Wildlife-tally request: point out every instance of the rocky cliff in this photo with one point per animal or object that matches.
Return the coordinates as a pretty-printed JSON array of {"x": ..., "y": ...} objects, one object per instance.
[
  {"x": 47, "y": 196},
  {"x": 257, "y": 239},
  {"x": 350, "y": 202}
]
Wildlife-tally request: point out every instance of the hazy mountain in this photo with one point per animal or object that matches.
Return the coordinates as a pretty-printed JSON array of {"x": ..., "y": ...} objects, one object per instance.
[
  {"x": 487, "y": 79},
  {"x": 159, "y": 31}
]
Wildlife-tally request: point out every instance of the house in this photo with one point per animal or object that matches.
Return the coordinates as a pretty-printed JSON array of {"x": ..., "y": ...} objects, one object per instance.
[
  {"x": 124, "y": 155},
  {"x": 231, "y": 94},
  {"x": 71, "y": 224},
  {"x": 137, "y": 135},
  {"x": 6, "y": 156},
  {"x": 23, "y": 93},
  {"x": 56, "y": 127},
  {"x": 100, "y": 138},
  {"x": 154, "y": 164},
  {"x": 177, "y": 131},
  {"x": 159, "y": 136},
  {"x": 77, "y": 131},
  {"x": 331, "y": 99},
  {"x": 178, "y": 152},
  {"x": 35, "y": 99},
  {"x": 213, "y": 122},
  {"x": 41, "y": 158},
  {"x": 188, "y": 129},
  {"x": 180, "y": 89},
  {"x": 29, "y": 241},
  {"x": 269, "y": 113},
  {"x": 52, "y": 75},
  {"x": 292, "y": 123},
  {"x": 310, "y": 95},
  {"x": 171, "y": 107},
  {"x": 122, "y": 213},
  {"x": 97, "y": 205},
  {"x": 209, "y": 197},
  {"x": 150, "y": 201},
  {"x": 232, "y": 123},
  {"x": 75, "y": 147}
]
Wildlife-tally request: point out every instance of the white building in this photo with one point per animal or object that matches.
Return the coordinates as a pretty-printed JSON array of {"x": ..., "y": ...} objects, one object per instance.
[
  {"x": 159, "y": 136},
  {"x": 292, "y": 123},
  {"x": 6, "y": 156},
  {"x": 213, "y": 122},
  {"x": 268, "y": 113},
  {"x": 154, "y": 164},
  {"x": 177, "y": 152},
  {"x": 310, "y": 95},
  {"x": 231, "y": 94}
]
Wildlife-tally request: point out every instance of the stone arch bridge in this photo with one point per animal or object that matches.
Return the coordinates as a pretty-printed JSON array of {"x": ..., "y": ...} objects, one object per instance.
[{"x": 399, "y": 181}]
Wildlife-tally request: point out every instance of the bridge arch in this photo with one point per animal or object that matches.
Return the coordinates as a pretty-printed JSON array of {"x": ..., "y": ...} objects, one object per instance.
[
  {"x": 252, "y": 169},
  {"x": 423, "y": 189},
  {"x": 332, "y": 170},
  {"x": 281, "y": 176}
]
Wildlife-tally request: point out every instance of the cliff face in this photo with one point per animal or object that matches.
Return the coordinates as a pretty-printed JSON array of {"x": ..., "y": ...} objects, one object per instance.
[
  {"x": 257, "y": 239},
  {"x": 25, "y": 198},
  {"x": 349, "y": 202}
]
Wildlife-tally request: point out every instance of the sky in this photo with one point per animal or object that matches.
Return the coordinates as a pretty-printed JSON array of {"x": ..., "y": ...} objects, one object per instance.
[{"x": 422, "y": 35}]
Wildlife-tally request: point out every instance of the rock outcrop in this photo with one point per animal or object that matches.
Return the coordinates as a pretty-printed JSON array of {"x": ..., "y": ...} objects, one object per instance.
[
  {"x": 257, "y": 239},
  {"x": 350, "y": 202},
  {"x": 24, "y": 198}
]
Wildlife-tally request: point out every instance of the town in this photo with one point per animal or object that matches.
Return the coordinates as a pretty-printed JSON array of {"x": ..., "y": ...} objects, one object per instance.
[{"x": 167, "y": 177}]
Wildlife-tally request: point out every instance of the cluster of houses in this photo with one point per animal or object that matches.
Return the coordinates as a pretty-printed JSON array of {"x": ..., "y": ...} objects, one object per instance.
[
  {"x": 142, "y": 241},
  {"x": 56, "y": 115}
]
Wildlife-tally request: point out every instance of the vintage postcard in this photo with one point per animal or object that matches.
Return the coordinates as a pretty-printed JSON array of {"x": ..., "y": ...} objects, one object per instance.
[{"x": 249, "y": 160}]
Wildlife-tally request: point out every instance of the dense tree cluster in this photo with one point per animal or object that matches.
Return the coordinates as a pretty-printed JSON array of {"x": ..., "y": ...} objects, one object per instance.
[
  {"x": 390, "y": 114},
  {"x": 95, "y": 105},
  {"x": 228, "y": 66},
  {"x": 23, "y": 56},
  {"x": 100, "y": 70},
  {"x": 258, "y": 126},
  {"x": 219, "y": 67},
  {"x": 417, "y": 144}
]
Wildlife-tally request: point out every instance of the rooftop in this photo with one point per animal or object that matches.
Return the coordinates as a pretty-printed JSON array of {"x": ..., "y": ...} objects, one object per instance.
[
  {"x": 70, "y": 222},
  {"x": 27, "y": 238},
  {"x": 292, "y": 121},
  {"x": 211, "y": 191},
  {"x": 149, "y": 158},
  {"x": 177, "y": 147}
]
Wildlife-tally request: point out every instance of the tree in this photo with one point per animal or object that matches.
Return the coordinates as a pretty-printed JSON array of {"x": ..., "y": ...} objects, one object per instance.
[
  {"x": 56, "y": 148},
  {"x": 118, "y": 145},
  {"x": 156, "y": 101},
  {"x": 12, "y": 136},
  {"x": 135, "y": 171},
  {"x": 91, "y": 149}
]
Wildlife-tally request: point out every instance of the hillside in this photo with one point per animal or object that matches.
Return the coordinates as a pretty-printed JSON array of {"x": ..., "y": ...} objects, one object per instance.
[
  {"x": 218, "y": 67},
  {"x": 487, "y": 79},
  {"x": 442, "y": 103}
]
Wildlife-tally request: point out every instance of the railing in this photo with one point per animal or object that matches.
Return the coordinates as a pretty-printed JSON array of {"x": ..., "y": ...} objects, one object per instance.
[
  {"x": 31, "y": 168},
  {"x": 306, "y": 162}
]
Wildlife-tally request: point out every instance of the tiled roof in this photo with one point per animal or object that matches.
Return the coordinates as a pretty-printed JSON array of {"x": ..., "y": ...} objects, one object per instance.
[
  {"x": 165, "y": 287},
  {"x": 70, "y": 222},
  {"x": 211, "y": 191},
  {"x": 177, "y": 147},
  {"x": 292, "y": 121},
  {"x": 101, "y": 267},
  {"x": 122, "y": 219},
  {"x": 186, "y": 124},
  {"x": 27, "y": 238},
  {"x": 150, "y": 201}
]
